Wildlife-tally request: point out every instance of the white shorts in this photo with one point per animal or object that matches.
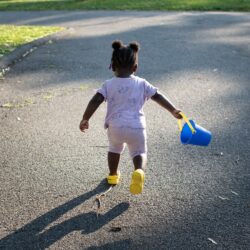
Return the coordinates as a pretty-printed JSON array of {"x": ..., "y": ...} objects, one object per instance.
[{"x": 135, "y": 138}]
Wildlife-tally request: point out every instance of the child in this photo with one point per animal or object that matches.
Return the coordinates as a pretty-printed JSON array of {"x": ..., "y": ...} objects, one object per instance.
[{"x": 126, "y": 94}]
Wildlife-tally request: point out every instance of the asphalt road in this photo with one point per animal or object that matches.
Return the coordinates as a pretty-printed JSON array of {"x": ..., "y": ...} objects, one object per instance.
[{"x": 194, "y": 197}]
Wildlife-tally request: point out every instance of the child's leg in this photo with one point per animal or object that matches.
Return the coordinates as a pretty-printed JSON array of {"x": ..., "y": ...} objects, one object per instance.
[
  {"x": 140, "y": 161},
  {"x": 137, "y": 144},
  {"x": 113, "y": 162},
  {"x": 138, "y": 176},
  {"x": 116, "y": 147}
]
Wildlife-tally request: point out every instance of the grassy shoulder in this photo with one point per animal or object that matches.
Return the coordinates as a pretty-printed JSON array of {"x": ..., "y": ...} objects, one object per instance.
[
  {"x": 200, "y": 5},
  {"x": 15, "y": 36}
]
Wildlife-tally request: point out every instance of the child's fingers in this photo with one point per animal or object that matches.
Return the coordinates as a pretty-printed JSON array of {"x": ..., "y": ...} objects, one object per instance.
[
  {"x": 177, "y": 114},
  {"x": 82, "y": 129},
  {"x": 84, "y": 125}
]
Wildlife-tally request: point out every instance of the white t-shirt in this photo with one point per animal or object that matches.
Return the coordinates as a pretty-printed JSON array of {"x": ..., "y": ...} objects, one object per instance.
[{"x": 125, "y": 99}]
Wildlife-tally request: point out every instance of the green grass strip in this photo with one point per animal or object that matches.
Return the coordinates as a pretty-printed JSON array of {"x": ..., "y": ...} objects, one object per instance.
[
  {"x": 200, "y": 5},
  {"x": 13, "y": 36}
]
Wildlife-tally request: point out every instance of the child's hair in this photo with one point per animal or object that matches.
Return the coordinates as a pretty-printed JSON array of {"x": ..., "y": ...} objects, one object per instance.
[{"x": 124, "y": 56}]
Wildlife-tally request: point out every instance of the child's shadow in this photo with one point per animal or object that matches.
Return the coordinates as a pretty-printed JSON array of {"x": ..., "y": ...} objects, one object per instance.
[{"x": 30, "y": 236}]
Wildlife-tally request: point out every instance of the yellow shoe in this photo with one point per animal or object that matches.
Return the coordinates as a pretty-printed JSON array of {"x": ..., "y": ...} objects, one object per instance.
[
  {"x": 137, "y": 181},
  {"x": 114, "y": 179}
]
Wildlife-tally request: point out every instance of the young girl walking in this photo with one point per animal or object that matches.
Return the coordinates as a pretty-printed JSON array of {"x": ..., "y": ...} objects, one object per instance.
[{"x": 125, "y": 122}]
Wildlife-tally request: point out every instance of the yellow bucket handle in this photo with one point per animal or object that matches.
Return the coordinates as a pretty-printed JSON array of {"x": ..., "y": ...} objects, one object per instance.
[{"x": 187, "y": 121}]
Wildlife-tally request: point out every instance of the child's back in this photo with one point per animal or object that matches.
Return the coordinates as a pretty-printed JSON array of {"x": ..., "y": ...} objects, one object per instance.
[{"x": 125, "y": 98}]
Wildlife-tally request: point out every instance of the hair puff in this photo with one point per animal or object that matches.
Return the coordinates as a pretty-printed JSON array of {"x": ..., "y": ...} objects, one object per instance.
[
  {"x": 117, "y": 44},
  {"x": 134, "y": 46}
]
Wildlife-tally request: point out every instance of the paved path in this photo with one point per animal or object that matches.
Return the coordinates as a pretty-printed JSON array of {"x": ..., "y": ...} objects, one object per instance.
[{"x": 194, "y": 198}]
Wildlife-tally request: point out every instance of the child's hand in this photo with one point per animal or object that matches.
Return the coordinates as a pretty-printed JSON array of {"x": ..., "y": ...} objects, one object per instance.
[
  {"x": 176, "y": 114},
  {"x": 84, "y": 124}
]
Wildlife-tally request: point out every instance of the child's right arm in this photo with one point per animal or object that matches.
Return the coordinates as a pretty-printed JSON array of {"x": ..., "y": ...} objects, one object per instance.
[
  {"x": 165, "y": 103},
  {"x": 93, "y": 104}
]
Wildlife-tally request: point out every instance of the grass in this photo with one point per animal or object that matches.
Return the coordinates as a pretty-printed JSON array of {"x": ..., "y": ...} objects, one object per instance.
[
  {"x": 14, "y": 36},
  {"x": 201, "y": 5}
]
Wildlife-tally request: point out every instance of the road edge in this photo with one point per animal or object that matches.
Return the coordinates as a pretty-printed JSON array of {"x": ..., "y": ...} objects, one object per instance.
[{"x": 21, "y": 52}]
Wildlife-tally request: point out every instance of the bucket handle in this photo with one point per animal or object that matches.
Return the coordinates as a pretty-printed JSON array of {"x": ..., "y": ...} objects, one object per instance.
[{"x": 187, "y": 121}]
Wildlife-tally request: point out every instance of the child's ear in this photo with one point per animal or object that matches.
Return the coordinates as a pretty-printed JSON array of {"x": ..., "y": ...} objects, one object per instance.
[
  {"x": 113, "y": 67},
  {"x": 135, "y": 67}
]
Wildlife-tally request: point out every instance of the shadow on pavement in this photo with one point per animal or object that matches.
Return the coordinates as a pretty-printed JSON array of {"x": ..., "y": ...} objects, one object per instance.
[
  {"x": 122, "y": 244},
  {"x": 30, "y": 236},
  {"x": 187, "y": 43}
]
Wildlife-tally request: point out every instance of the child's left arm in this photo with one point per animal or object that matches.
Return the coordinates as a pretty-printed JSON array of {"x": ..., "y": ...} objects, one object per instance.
[
  {"x": 165, "y": 103},
  {"x": 93, "y": 105}
]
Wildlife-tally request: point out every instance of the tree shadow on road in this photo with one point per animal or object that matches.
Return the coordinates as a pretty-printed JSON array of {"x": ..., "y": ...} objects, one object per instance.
[
  {"x": 187, "y": 43},
  {"x": 122, "y": 244},
  {"x": 31, "y": 236}
]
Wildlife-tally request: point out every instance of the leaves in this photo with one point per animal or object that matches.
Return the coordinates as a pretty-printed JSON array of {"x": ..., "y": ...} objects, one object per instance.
[
  {"x": 48, "y": 97},
  {"x": 1, "y": 74},
  {"x": 115, "y": 229},
  {"x": 83, "y": 87},
  {"x": 219, "y": 154},
  {"x": 213, "y": 241},
  {"x": 26, "y": 102},
  {"x": 233, "y": 192},
  {"x": 223, "y": 198},
  {"x": 8, "y": 105}
]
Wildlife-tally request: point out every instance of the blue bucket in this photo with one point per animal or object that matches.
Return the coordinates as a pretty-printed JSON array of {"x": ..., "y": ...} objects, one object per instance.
[{"x": 192, "y": 133}]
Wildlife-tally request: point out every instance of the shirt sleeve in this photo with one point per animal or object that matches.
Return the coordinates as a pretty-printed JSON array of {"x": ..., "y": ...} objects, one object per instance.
[
  {"x": 149, "y": 90},
  {"x": 103, "y": 90}
]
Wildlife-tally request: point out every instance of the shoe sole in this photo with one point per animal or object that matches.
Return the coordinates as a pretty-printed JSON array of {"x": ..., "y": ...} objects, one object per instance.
[{"x": 137, "y": 182}]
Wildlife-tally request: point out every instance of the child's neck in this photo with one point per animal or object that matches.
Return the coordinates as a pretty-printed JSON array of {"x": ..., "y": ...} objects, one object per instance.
[{"x": 123, "y": 73}]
